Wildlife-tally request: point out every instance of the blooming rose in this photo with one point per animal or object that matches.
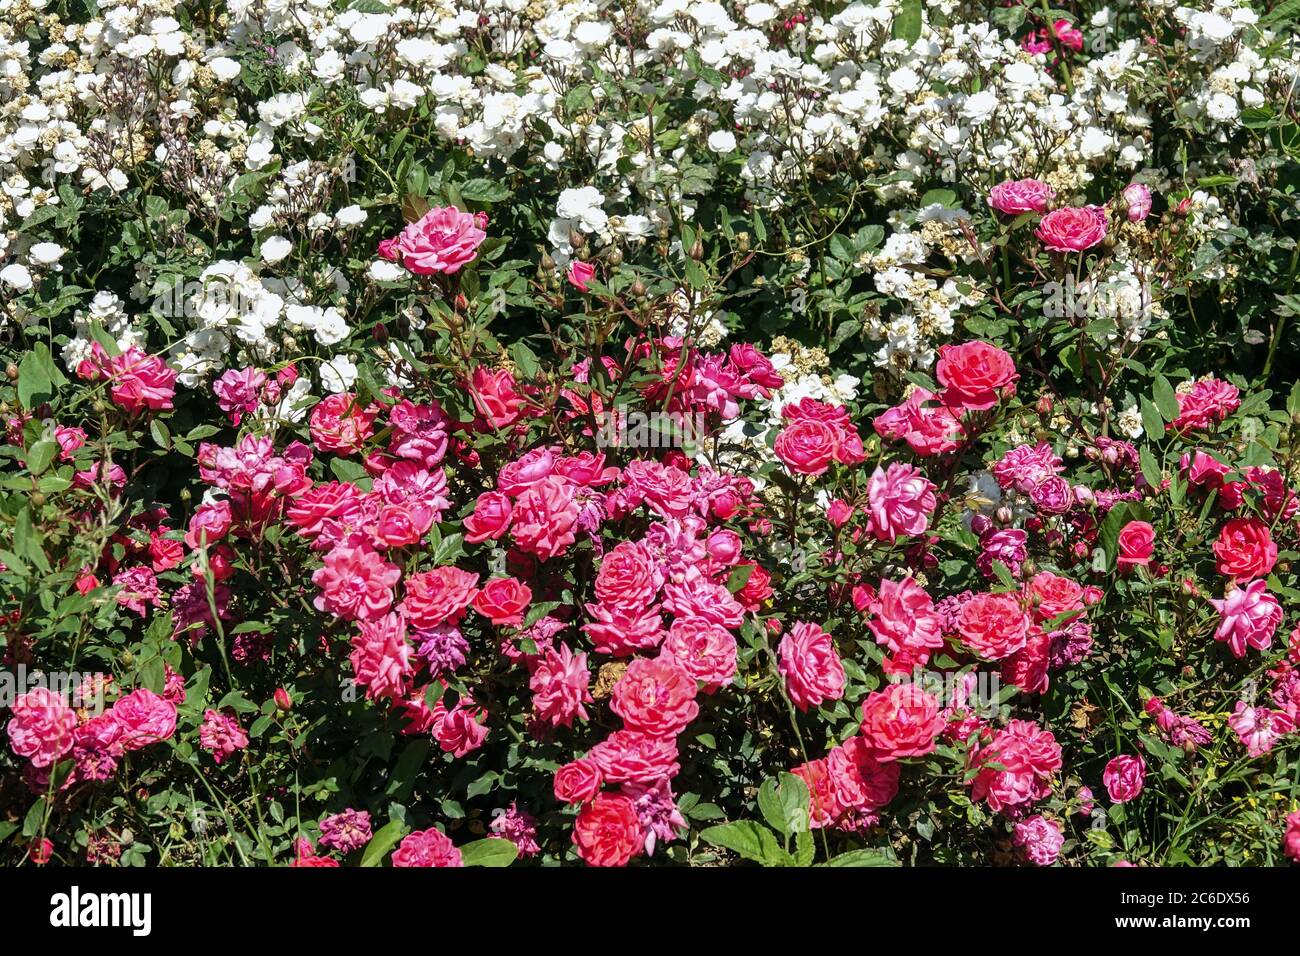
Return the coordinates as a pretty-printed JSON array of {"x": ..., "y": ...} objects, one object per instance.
[
  {"x": 444, "y": 240},
  {"x": 1015, "y": 196},
  {"x": 1015, "y": 768},
  {"x": 994, "y": 626},
  {"x": 901, "y": 500},
  {"x": 1124, "y": 777},
  {"x": 1247, "y": 618},
  {"x": 655, "y": 696},
  {"x": 806, "y": 446},
  {"x": 144, "y": 718},
  {"x": 429, "y": 847},
  {"x": 442, "y": 594},
  {"x": 1072, "y": 229},
  {"x": 356, "y": 583},
  {"x": 1204, "y": 403},
  {"x": 904, "y": 621},
  {"x": 1039, "y": 839},
  {"x": 490, "y": 519},
  {"x": 41, "y": 728},
  {"x": 1259, "y": 728},
  {"x": 1245, "y": 549},
  {"x": 578, "y": 781},
  {"x": 975, "y": 375},
  {"x": 503, "y": 601},
  {"x": 621, "y": 632},
  {"x": 221, "y": 735},
  {"x": 136, "y": 381},
  {"x": 901, "y": 721},
  {"x": 607, "y": 831},
  {"x": 810, "y": 666},
  {"x": 706, "y": 650},
  {"x": 632, "y": 755},
  {"x": 495, "y": 397},
  {"x": 628, "y": 577},
  {"x": 381, "y": 657},
  {"x": 339, "y": 424},
  {"x": 1136, "y": 542},
  {"x": 544, "y": 518},
  {"x": 560, "y": 684}
]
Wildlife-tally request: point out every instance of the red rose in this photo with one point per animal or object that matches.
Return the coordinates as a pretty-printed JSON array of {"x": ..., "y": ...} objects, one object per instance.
[
  {"x": 1245, "y": 549},
  {"x": 807, "y": 446},
  {"x": 975, "y": 375},
  {"x": 655, "y": 696},
  {"x": 503, "y": 600},
  {"x": 607, "y": 831},
  {"x": 578, "y": 781},
  {"x": 994, "y": 626},
  {"x": 1136, "y": 542},
  {"x": 901, "y": 721}
]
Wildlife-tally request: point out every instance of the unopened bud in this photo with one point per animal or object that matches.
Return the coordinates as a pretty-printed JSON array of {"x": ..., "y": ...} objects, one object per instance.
[{"x": 282, "y": 700}]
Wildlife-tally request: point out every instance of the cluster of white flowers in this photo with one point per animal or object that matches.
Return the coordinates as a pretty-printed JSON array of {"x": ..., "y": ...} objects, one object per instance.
[{"x": 778, "y": 92}]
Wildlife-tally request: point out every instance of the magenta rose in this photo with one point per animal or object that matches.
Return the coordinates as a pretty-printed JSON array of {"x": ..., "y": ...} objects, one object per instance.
[
  {"x": 1021, "y": 195},
  {"x": 1124, "y": 777}
]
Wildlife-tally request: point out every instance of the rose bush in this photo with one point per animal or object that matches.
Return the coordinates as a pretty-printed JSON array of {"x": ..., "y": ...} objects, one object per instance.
[{"x": 666, "y": 432}]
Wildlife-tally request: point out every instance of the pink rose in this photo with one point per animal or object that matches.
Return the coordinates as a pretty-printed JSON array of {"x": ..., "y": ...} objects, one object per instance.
[
  {"x": 901, "y": 721},
  {"x": 561, "y": 684},
  {"x": 490, "y": 519},
  {"x": 41, "y": 727},
  {"x": 578, "y": 781},
  {"x": 1021, "y": 195},
  {"x": 810, "y": 666},
  {"x": 503, "y": 601},
  {"x": 444, "y": 240},
  {"x": 495, "y": 397},
  {"x": 1138, "y": 198},
  {"x": 901, "y": 500},
  {"x": 434, "y": 597},
  {"x": 806, "y": 446},
  {"x": 1124, "y": 777},
  {"x": 1073, "y": 228},
  {"x": 994, "y": 626},
  {"x": 705, "y": 649},
  {"x": 544, "y": 518},
  {"x": 655, "y": 696},
  {"x": 356, "y": 583},
  {"x": 580, "y": 273},
  {"x": 136, "y": 381},
  {"x": 1247, "y": 618},
  {"x": 1136, "y": 542},
  {"x": 144, "y": 718},
  {"x": 427, "y": 848}
]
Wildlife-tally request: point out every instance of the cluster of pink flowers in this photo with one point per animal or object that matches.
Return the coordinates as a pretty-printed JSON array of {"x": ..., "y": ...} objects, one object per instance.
[{"x": 45, "y": 728}]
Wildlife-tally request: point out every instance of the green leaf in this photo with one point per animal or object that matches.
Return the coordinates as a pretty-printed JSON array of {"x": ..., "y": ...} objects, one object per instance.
[
  {"x": 753, "y": 841},
  {"x": 907, "y": 21},
  {"x": 41, "y": 454},
  {"x": 1166, "y": 398},
  {"x": 862, "y": 858},
  {"x": 382, "y": 842},
  {"x": 1150, "y": 468},
  {"x": 489, "y": 852},
  {"x": 785, "y": 804}
]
